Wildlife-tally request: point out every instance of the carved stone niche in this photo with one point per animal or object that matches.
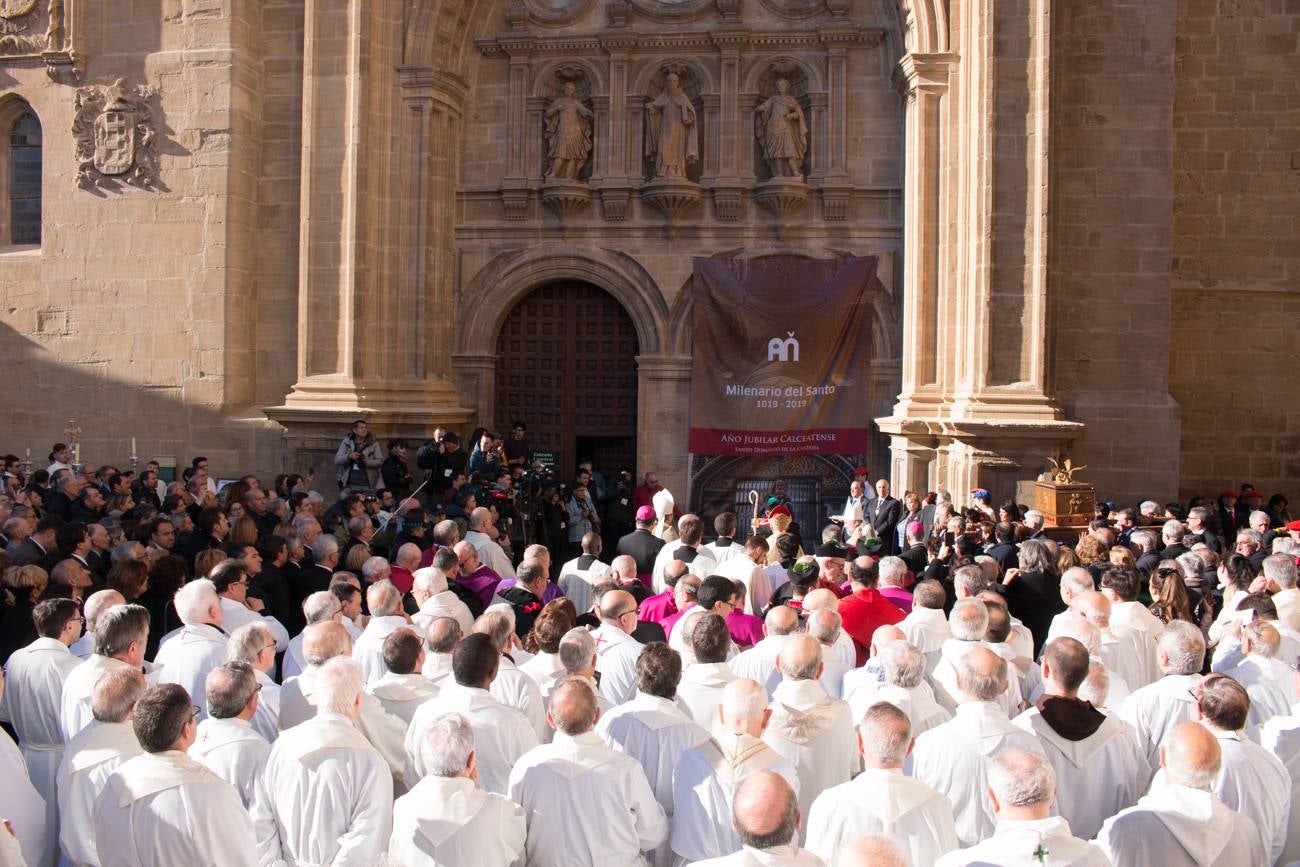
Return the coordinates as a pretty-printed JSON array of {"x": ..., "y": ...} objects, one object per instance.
[
  {"x": 673, "y": 138},
  {"x": 782, "y": 140},
  {"x": 568, "y": 124}
]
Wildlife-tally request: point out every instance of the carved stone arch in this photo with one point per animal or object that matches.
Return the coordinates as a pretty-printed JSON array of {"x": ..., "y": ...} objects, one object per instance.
[
  {"x": 814, "y": 77},
  {"x": 595, "y": 74},
  {"x": 924, "y": 25},
  {"x": 502, "y": 283},
  {"x": 707, "y": 81}
]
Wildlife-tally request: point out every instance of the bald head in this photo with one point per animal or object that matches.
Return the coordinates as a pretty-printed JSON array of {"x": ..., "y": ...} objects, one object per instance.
[
  {"x": 744, "y": 707},
  {"x": 981, "y": 675},
  {"x": 1190, "y": 756},
  {"x": 99, "y": 602},
  {"x": 969, "y": 620},
  {"x": 885, "y": 636},
  {"x": 115, "y": 694},
  {"x": 1065, "y": 665},
  {"x": 623, "y": 567},
  {"x": 615, "y": 608},
  {"x": 801, "y": 658},
  {"x": 819, "y": 599},
  {"x": 781, "y": 620},
  {"x": 408, "y": 556},
  {"x": 573, "y": 708},
  {"x": 1093, "y": 607},
  {"x": 765, "y": 811},
  {"x": 322, "y": 642}
]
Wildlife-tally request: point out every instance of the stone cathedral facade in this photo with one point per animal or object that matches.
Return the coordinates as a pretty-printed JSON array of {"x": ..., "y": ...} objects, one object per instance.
[{"x": 258, "y": 219}]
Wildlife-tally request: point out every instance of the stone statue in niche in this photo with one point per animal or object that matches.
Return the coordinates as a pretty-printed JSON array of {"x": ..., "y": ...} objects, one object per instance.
[
  {"x": 568, "y": 134},
  {"x": 673, "y": 138},
  {"x": 781, "y": 128}
]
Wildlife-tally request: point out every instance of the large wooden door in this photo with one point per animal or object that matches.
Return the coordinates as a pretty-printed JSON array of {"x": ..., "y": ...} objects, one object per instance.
[{"x": 566, "y": 365}]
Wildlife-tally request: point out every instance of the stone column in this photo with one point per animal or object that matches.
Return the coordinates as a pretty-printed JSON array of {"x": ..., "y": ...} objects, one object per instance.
[{"x": 663, "y": 417}]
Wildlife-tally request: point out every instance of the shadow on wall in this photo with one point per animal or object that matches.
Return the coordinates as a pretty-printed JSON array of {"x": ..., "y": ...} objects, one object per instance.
[{"x": 111, "y": 401}]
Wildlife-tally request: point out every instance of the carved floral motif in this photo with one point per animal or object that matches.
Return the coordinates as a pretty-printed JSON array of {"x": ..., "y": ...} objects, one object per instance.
[{"x": 115, "y": 135}]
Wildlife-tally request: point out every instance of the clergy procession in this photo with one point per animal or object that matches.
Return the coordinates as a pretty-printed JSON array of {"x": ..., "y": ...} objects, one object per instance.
[{"x": 920, "y": 682}]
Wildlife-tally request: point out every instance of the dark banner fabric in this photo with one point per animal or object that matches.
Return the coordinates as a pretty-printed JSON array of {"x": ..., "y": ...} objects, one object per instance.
[{"x": 782, "y": 351}]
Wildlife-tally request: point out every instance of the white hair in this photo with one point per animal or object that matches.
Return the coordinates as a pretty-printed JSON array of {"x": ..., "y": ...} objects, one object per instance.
[
  {"x": 320, "y": 606},
  {"x": 886, "y": 733},
  {"x": 1173, "y": 530},
  {"x": 429, "y": 580},
  {"x": 194, "y": 600},
  {"x": 337, "y": 684},
  {"x": 99, "y": 602},
  {"x": 979, "y": 686},
  {"x": 447, "y": 744},
  {"x": 904, "y": 664},
  {"x": 324, "y": 547},
  {"x": 384, "y": 599},
  {"x": 744, "y": 700},
  {"x": 1083, "y": 632},
  {"x": 1033, "y": 518},
  {"x": 1265, "y": 640},
  {"x": 891, "y": 571},
  {"x": 1281, "y": 570},
  {"x": 375, "y": 568},
  {"x": 1096, "y": 686},
  {"x": 824, "y": 625},
  {"x": 577, "y": 647},
  {"x": 247, "y": 642},
  {"x": 1078, "y": 580},
  {"x": 1184, "y": 646},
  {"x": 969, "y": 620},
  {"x": 1021, "y": 778}
]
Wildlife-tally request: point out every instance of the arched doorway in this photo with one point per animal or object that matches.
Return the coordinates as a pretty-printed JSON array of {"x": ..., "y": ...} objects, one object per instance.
[{"x": 566, "y": 365}]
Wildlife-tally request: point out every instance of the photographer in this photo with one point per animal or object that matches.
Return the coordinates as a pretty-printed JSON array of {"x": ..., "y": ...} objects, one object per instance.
[
  {"x": 444, "y": 459},
  {"x": 518, "y": 448},
  {"x": 395, "y": 473},
  {"x": 358, "y": 459},
  {"x": 619, "y": 513},
  {"x": 582, "y": 519}
]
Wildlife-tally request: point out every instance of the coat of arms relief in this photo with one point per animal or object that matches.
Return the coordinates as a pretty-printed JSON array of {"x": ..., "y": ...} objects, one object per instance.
[
  {"x": 40, "y": 31},
  {"x": 116, "y": 136}
]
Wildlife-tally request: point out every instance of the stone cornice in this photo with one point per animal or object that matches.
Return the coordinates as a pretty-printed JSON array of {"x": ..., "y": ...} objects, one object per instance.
[{"x": 524, "y": 45}]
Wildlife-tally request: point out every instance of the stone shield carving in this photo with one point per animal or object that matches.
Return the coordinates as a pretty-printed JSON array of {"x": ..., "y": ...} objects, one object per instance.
[
  {"x": 10, "y": 9},
  {"x": 115, "y": 136}
]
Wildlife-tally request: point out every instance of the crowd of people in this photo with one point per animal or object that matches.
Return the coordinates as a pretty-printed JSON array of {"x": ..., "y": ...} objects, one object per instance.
[{"x": 258, "y": 676}]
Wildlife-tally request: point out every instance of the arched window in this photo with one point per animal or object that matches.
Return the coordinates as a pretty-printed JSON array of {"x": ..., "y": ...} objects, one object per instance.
[{"x": 24, "y": 181}]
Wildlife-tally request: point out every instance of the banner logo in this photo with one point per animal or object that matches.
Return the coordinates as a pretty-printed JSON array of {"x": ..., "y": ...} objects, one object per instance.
[{"x": 783, "y": 350}]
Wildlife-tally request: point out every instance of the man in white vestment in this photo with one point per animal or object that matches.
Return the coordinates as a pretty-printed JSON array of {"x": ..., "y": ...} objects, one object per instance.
[
  {"x": 700, "y": 690},
  {"x": 22, "y": 809},
  {"x": 749, "y": 566},
  {"x": 502, "y": 732},
  {"x": 724, "y": 548},
  {"x": 91, "y": 757},
  {"x": 187, "y": 655},
  {"x": 482, "y": 535},
  {"x": 824, "y": 625},
  {"x": 881, "y": 800},
  {"x": 441, "y": 636},
  {"x": 447, "y": 819},
  {"x": 686, "y": 547},
  {"x": 969, "y": 623},
  {"x": 1124, "y": 656},
  {"x": 766, "y": 818},
  {"x": 1281, "y": 737},
  {"x": 429, "y": 590},
  {"x": 230, "y": 578},
  {"x": 323, "y": 642},
  {"x": 162, "y": 807},
  {"x": 861, "y": 683},
  {"x": 1078, "y": 628},
  {"x": 253, "y": 645},
  {"x": 226, "y": 743},
  {"x": 587, "y": 805},
  {"x": 403, "y": 689},
  {"x": 119, "y": 644},
  {"x": 319, "y": 607},
  {"x": 1181, "y": 823},
  {"x": 759, "y": 662},
  {"x": 1251, "y": 780},
  {"x": 1099, "y": 767},
  {"x": 1021, "y": 789},
  {"x": 905, "y": 688},
  {"x": 1156, "y": 708},
  {"x": 616, "y": 649},
  {"x": 1269, "y": 681},
  {"x": 511, "y": 686},
  {"x": 33, "y": 692},
  {"x": 1130, "y": 619},
  {"x": 714, "y": 595},
  {"x": 1074, "y": 581},
  {"x": 326, "y": 796},
  {"x": 584, "y": 572},
  {"x": 385, "y": 602},
  {"x": 952, "y": 758},
  {"x": 810, "y": 728},
  {"x": 926, "y": 626},
  {"x": 577, "y": 659},
  {"x": 653, "y": 730},
  {"x": 96, "y": 604},
  {"x": 707, "y": 777}
]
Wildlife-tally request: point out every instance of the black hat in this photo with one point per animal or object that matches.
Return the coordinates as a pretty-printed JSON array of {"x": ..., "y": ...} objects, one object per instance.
[{"x": 831, "y": 549}]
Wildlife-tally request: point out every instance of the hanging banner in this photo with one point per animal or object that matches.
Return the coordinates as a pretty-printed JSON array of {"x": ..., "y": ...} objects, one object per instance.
[{"x": 782, "y": 350}]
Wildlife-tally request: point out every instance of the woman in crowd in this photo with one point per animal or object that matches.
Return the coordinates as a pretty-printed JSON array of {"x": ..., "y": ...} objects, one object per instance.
[
  {"x": 25, "y": 585},
  {"x": 166, "y": 575},
  {"x": 1033, "y": 592},
  {"x": 130, "y": 578}
]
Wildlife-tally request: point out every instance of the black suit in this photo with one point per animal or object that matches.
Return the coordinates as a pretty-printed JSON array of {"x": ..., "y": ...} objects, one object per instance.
[
  {"x": 643, "y": 547},
  {"x": 917, "y": 558},
  {"x": 58, "y": 504},
  {"x": 29, "y": 553},
  {"x": 884, "y": 515},
  {"x": 309, "y": 580}
]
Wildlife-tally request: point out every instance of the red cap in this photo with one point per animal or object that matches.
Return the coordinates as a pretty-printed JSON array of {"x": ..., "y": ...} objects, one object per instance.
[
  {"x": 1252, "y": 494},
  {"x": 860, "y": 471},
  {"x": 779, "y": 510},
  {"x": 1293, "y": 527},
  {"x": 1229, "y": 494}
]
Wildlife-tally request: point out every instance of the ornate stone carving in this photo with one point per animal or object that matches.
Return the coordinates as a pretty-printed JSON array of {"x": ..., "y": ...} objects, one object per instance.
[
  {"x": 38, "y": 30},
  {"x": 568, "y": 134},
  {"x": 728, "y": 203},
  {"x": 116, "y": 140},
  {"x": 673, "y": 197},
  {"x": 613, "y": 203},
  {"x": 672, "y": 130},
  {"x": 782, "y": 130}
]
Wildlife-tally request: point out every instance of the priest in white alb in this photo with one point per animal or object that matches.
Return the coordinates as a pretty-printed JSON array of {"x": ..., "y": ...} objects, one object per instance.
[
  {"x": 403, "y": 688},
  {"x": 326, "y": 796},
  {"x": 1182, "y": 823},
  {"x": 441, "y": 635},
  {"x": 96, "y": 604},
  {"x": 318, "y": 607},
  {"x": 881, "y": 800},
  {"x": 652, "y": 729},
  {"x": 120, "y": 641},
  {"x": 33, "y": 692},
  {"x": 1130, "y": 619},
  {"x": 385, "y": 602},
  {"x": 616, "y": 649},
  {"x": 22, "y": 808},
  {"x": 1124, "y": 655},
  {"x": 1099, "y": 767},
  {"x": 226, "y": 743},
  {"x": 952, "y": 758},
  {"x": 92, "y": 756},
  {"x": 767, "y": 819},
  {"x": 186, "y": 655},
  {"x": 724, "y": 546},
  {"x": 700, "y": 691},
  {"x": 448, "y": 818},
  {"x": 501, "y": 732},
  {"x": 1269, "y": 681},
  {"x": 1156, "y": 708},
  {"x": 810, "y": 728},
  {"x": 688, "y": 548},
  {"x": 230, "y": 578},
  {"x": 759, "y": 662},
  {"x": 905, "y": 688},
  {"x": 749, "y": 566},
  {"x": 512, "y": 687},
  {"x": 926, "y": 626},
  {"x": 585, "y": 803},
  {"x": 1281, "y": 737},
  {"x": 162, "y": 807},
  {"x": 584, "y": 572},
  {"x": 430, "y": 592},
  {"x": 253, "y": 644},
  {"x": 1021, "y": 790},
  {"x": 969, "y": 623}
]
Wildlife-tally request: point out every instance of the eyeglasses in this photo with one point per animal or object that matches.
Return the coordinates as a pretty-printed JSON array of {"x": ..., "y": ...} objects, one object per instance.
[
  {"x": 270, "y": 646},
  {"x": 625, "y": 614},
  {"x": 195, "y": 711}
]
